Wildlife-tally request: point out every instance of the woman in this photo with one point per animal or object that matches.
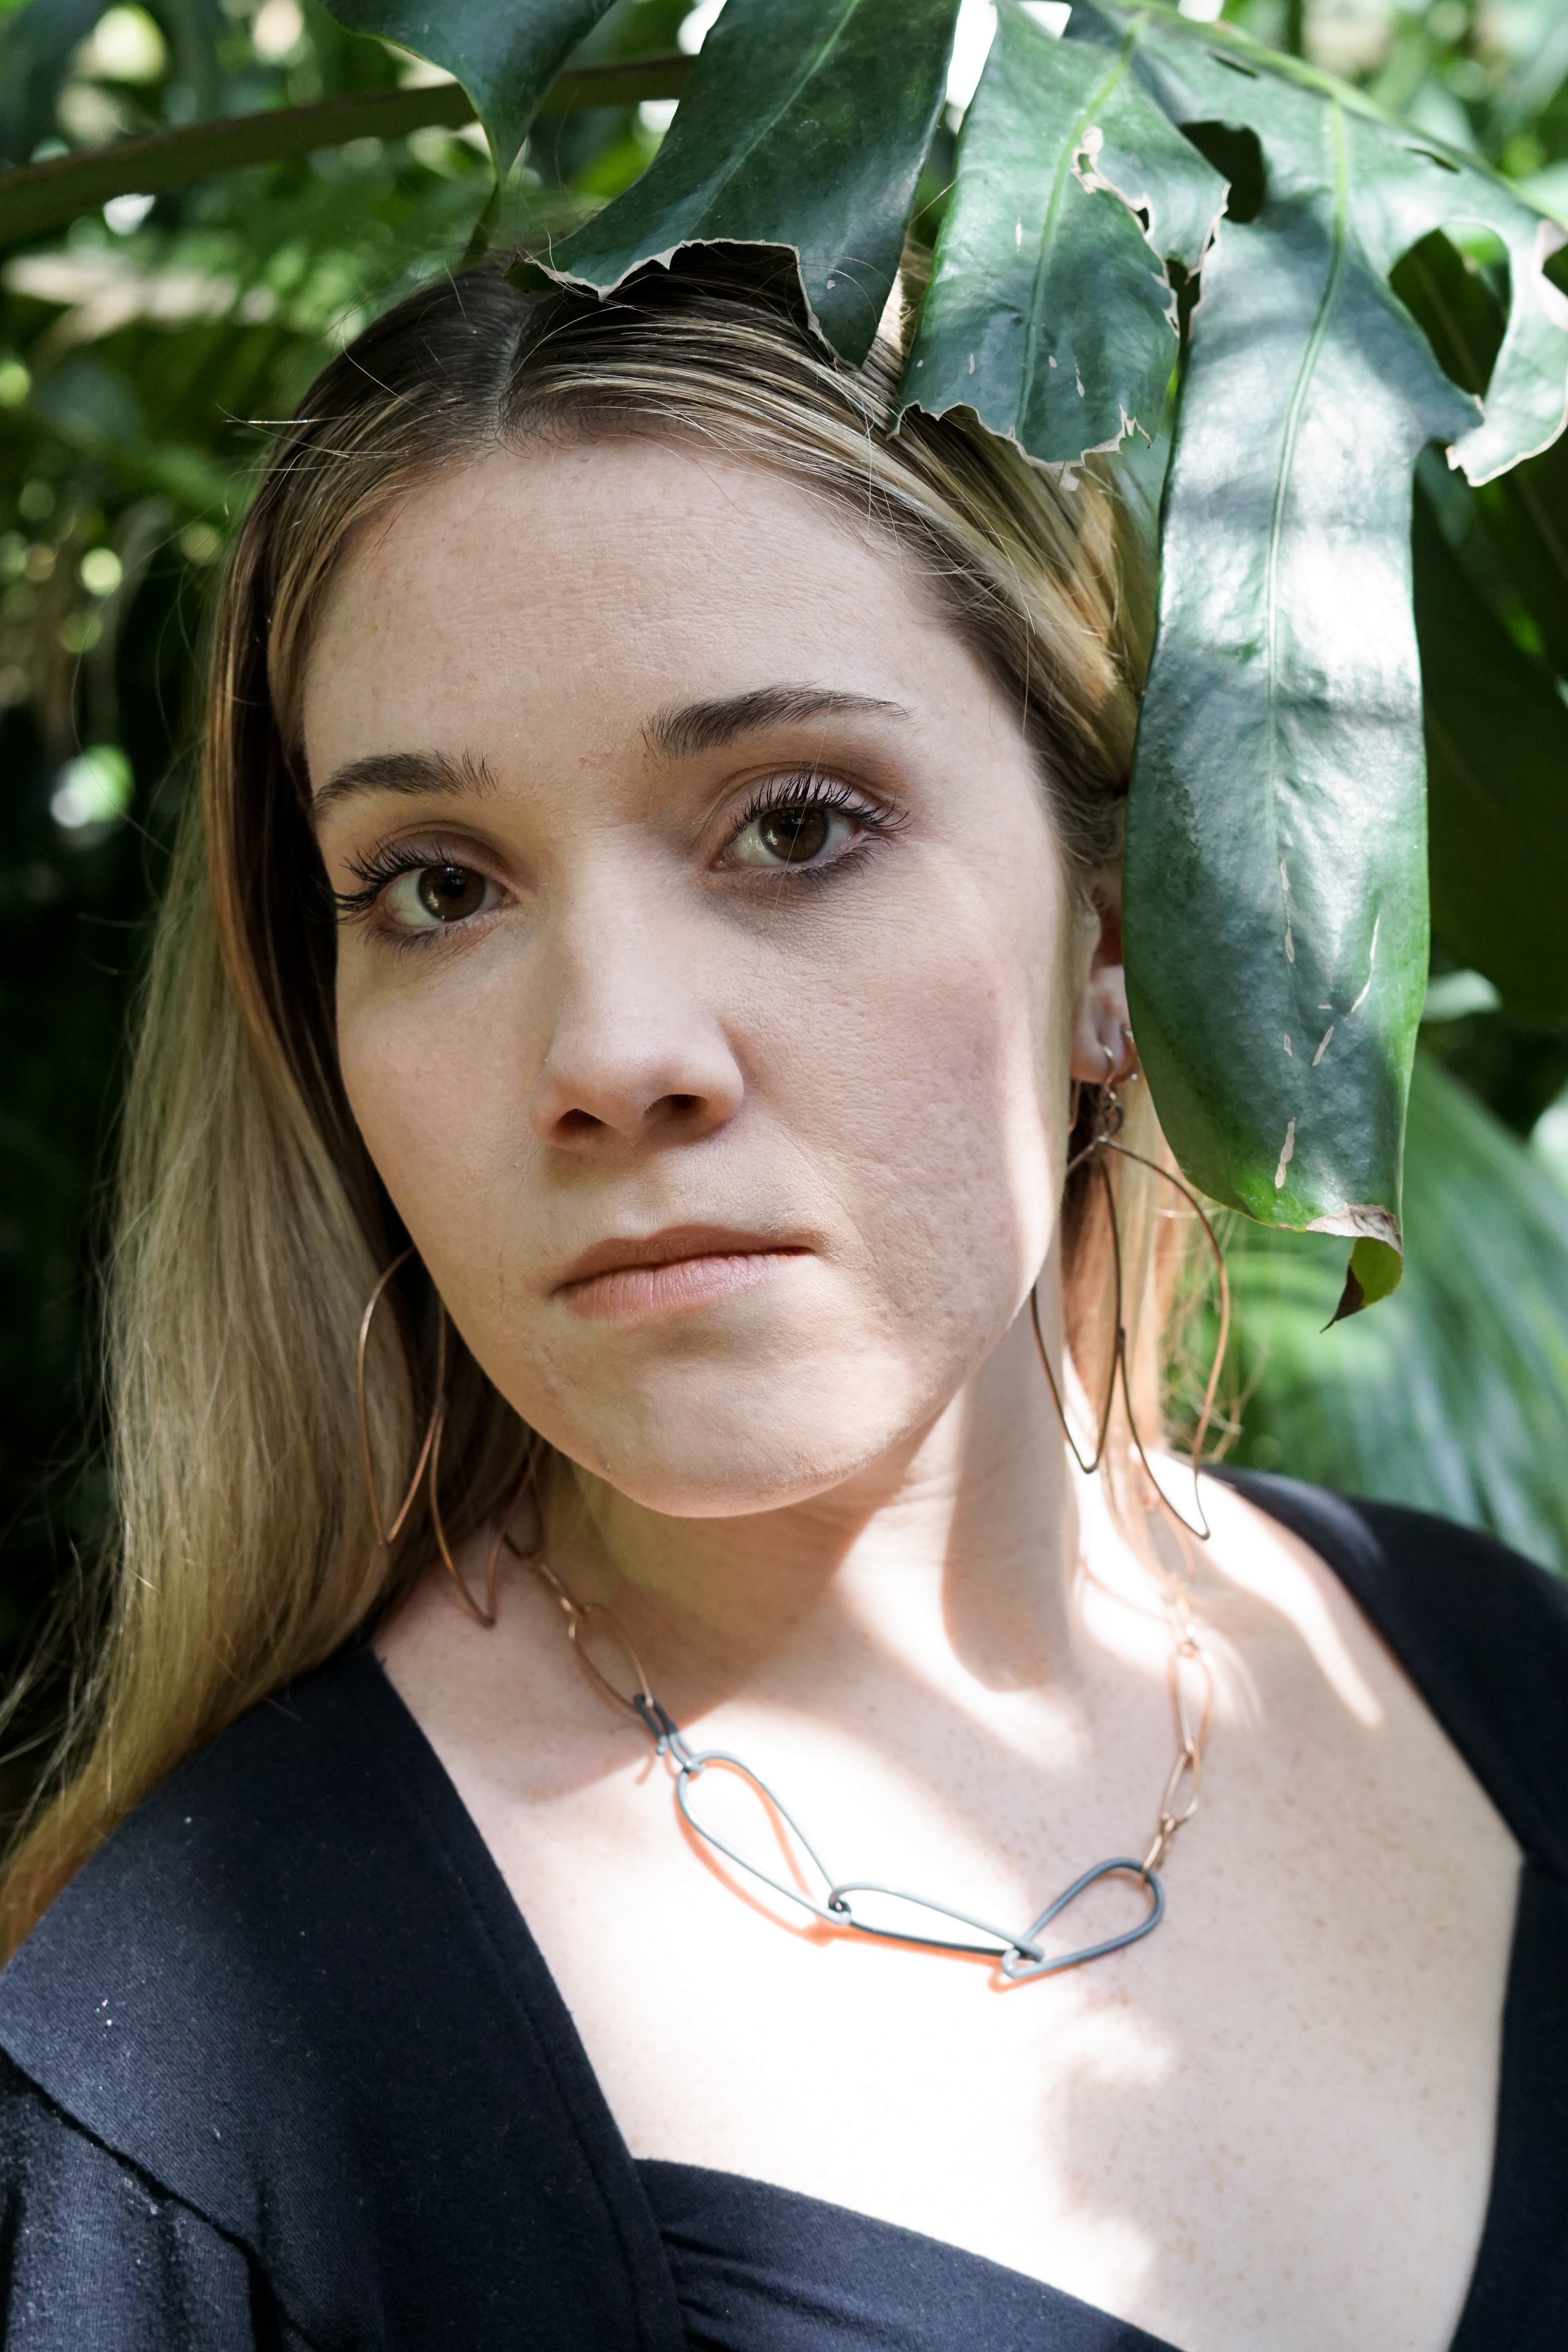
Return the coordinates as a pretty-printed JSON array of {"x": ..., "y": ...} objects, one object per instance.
[{"x": 716, "y": 1080}]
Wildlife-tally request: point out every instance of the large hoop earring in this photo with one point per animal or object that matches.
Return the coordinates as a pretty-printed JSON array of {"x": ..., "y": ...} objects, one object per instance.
[
  {"x": 428, "y": 1466},
  {"x": 386, "y": 1536},
  {"x": 1095, "y": 1153}
]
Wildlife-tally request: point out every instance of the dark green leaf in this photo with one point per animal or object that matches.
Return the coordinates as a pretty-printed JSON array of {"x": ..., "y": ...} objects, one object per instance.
[
  {"x": 804, "y": 124},
  {"x": 506, "y": 53},
  {"x": 1462, "y": 515},
  {"x": 1497, "y": 752},
  {"x": 1276, "y": 879},
  {"x": 1454, "y": 306},
  {"x": 1061, "y": 152}
]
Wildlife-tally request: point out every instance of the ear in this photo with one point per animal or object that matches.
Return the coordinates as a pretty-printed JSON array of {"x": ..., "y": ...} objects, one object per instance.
[{"x": 1103, "y": 1049}]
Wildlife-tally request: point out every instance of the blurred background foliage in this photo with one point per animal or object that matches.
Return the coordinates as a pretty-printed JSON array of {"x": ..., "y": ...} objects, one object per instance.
[{"x": 144, "y": 350}]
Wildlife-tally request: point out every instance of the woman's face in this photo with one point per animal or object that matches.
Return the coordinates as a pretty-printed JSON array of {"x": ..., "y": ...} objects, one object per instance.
[{"x": 705, "y": 984}]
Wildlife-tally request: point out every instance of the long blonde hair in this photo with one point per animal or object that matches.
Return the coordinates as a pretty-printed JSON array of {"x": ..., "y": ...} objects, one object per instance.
[{"x": 251, "y": 1223}]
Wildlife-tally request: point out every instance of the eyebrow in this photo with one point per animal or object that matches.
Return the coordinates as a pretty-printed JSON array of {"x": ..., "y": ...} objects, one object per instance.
[
  {"x": 404, "y": 771},
  {"x": 699, "y": 727},
  {"x": 678, "y": 734}
]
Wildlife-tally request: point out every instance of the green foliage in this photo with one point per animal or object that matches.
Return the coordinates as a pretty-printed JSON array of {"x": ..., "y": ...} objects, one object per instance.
[
  {"x": 1497, "y": 761},
  {"x": 1454, "y": 1395},
  {"x": 1491, "y": 615},
  {"x": 38, "y": 43},
  {"x": 1276, "y": 886}
]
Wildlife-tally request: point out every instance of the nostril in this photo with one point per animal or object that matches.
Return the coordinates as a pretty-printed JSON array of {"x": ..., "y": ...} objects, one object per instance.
[
  {"x": 621, "y": 1094},
  {"x": 577, "y": 1124}
]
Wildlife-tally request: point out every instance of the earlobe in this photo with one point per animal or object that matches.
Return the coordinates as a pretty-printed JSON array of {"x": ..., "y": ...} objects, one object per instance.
[{"x": 1102, "y": 1052}]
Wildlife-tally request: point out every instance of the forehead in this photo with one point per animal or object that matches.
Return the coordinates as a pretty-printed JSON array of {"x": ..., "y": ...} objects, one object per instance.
[{"x": 569, "y": 592}]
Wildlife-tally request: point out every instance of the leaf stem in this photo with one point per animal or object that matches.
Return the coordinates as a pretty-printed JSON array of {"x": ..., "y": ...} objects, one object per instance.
[{"x": 35, "y": 197}]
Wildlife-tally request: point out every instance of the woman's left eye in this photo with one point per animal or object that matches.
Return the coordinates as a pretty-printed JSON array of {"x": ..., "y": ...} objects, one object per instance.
[
  {"x": 425, "y": 897},
  {"x": 795, "y": 832}
]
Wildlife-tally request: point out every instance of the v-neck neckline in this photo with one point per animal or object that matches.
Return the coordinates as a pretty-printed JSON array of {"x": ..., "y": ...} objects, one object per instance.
[{"x": 1523, "y": 2090}]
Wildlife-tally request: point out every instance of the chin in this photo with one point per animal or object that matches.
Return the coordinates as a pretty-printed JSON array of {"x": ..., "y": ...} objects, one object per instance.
[{"x": 720, "y": 1446}]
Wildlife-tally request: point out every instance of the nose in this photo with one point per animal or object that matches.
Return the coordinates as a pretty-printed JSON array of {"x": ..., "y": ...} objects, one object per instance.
[{"x": 636, "y": 1054}]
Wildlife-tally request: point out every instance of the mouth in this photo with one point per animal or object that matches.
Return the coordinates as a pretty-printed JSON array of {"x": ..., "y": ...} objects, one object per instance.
[{"x": 675, "y": 1272}]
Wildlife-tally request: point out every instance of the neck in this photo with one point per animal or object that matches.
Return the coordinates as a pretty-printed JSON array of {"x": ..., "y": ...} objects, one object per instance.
[{"x": 953, "y": 1554}]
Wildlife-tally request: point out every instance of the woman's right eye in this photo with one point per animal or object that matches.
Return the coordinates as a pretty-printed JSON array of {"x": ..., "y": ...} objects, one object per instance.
[{"x": 426, "y": 897}]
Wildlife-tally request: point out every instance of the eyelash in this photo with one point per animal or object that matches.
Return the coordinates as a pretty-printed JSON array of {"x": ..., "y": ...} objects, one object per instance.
[
  {"x": 384, "y": 863},
  {"x": 811, "y": 789},
  {"x": 382, "y": 868}
]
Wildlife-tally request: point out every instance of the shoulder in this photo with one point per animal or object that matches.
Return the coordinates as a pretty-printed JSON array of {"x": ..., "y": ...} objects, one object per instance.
[
  {"x": 93, "y": 2252},
  {"x": 1481, "y": 1632},
  {"x": 176, "y": 1998},
  {"x": 293, "y": 1993},
  {"x": 203, "y": 1891}
]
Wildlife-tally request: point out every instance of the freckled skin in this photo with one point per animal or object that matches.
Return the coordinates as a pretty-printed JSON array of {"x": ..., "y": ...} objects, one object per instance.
[{"x": 831, "y": 1505}]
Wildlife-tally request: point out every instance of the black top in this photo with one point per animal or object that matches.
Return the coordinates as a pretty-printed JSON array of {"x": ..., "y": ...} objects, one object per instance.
[{"x": 285, "y": 2068}]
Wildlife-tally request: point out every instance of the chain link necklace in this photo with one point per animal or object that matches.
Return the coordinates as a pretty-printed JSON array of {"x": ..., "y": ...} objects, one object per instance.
[{"x": 1020, "y": 1958}]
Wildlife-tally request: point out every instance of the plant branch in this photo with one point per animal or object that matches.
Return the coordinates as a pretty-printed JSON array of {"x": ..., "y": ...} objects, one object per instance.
[{"x": 35, "y": 197}]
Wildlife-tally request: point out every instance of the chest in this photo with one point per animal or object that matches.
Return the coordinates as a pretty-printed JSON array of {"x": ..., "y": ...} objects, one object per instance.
[{"x": 1271, "y": 2119}]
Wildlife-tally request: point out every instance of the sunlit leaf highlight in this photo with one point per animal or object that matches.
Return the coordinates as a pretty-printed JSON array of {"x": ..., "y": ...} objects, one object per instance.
[{"x": 1068, "y": 174}]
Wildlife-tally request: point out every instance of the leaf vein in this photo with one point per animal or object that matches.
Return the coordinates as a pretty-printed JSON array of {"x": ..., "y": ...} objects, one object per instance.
[
  {"x": 812, "y": 66},
  {"x": 1315, "y": 340},
  {"x": 1067, "y": 157}
]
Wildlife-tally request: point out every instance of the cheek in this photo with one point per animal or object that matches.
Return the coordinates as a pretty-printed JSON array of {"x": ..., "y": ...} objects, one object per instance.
[
  {"x": 943, "y": 1113},
  {"x": 434, "y": 1071}
]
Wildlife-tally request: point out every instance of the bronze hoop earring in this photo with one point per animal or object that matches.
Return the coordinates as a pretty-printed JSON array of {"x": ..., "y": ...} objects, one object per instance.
[
  {"x": 1095, "y": 1152},
  {"x": 428, "y": 1465},
  {"x": 386, "y": 1536}
]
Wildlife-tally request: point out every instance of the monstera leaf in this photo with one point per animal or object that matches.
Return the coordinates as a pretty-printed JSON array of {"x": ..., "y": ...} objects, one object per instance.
[
  {"x": 1276, "y": 885},
  {"x": 804, "y": 124}
]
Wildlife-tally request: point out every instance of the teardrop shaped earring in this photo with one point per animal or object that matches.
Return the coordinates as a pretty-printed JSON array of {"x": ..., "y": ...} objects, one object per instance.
[
  {"x": 428, "y": 1466},
  {"x": 1108, "y": 1127}
]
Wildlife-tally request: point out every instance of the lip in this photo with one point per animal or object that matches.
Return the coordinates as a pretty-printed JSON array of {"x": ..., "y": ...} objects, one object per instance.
[{"x": 682, "y": 1268}]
